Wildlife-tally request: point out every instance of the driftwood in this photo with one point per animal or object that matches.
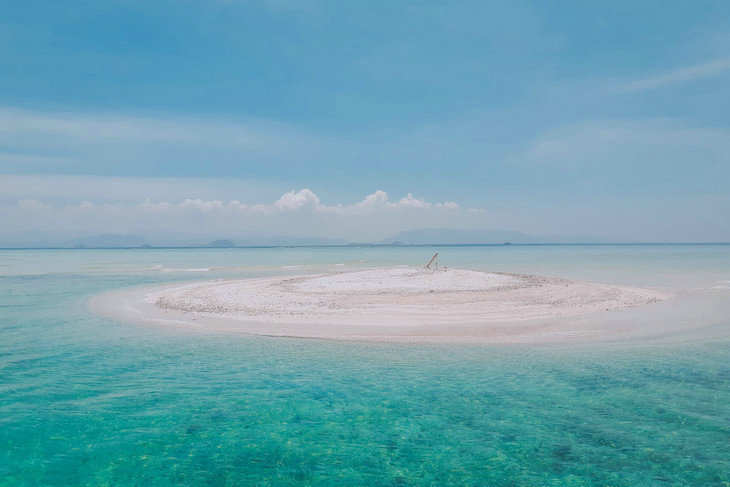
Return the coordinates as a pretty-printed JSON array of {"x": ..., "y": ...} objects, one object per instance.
[{"x": 428, "y": 266}]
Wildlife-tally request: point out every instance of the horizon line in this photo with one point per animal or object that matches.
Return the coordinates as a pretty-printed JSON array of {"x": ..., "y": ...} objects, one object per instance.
[{"x": 505, "y": 244}]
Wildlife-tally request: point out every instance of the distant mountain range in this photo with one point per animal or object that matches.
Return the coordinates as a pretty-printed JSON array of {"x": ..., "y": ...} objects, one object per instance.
[
  {"x": 107, "y": 241},
  {"x": 113, "y": 241},
  {"x": 425, "y": 236},
  {"x": 220, "y": 244},
  {"x": 116, "y": 241}
]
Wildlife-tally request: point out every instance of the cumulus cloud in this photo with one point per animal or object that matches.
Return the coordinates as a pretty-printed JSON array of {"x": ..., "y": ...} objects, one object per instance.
[
  {"x": 32, "y": 205},
  {"x": 297, "y": 200}
]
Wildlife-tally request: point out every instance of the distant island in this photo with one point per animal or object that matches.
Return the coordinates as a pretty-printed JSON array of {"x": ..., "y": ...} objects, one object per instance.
[
  {"x": 106, "y": 241},
  {"x": 220, "y": 244}
]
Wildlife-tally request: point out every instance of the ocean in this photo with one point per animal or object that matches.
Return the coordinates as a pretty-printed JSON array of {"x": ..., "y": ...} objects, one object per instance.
[{"x": 85, "y": 400}]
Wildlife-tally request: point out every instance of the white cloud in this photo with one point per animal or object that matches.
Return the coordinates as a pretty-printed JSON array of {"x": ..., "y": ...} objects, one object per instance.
[
  {"x": 304, "y": 198},
  {"x": 375, "y": 200},
  {"x": 409, "y": 201},
  {"x": 85, "y": 206},
  {"x": 380, "y": 201},
  {"x": 683, "y": 75},
  {"x": 32, "y": 205}
]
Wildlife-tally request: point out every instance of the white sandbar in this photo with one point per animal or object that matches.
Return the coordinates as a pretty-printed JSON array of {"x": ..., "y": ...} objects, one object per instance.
[{"x": 394, "y": 304}]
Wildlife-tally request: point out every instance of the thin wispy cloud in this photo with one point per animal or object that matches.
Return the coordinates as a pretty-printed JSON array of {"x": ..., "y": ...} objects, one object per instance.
[
  {"x": 617, "y": 142},
  {"x": 657, "y": 156},
  {"x": 683, "y": 75},
  {"x": 92, "y": 139}
]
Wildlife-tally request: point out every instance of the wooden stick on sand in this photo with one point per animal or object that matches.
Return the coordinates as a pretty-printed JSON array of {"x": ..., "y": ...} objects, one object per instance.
[{"x": 428, "y": 266}]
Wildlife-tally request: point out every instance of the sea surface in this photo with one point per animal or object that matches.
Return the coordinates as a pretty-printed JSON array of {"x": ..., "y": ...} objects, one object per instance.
[{"x": 89, "y": 401}]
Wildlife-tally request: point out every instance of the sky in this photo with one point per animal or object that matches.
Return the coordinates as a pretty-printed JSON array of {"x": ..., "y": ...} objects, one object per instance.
[{"x": 357, "y": 120}]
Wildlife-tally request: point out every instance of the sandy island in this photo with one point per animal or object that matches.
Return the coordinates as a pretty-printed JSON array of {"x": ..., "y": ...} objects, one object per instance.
[{"x": 393, "y": 304}]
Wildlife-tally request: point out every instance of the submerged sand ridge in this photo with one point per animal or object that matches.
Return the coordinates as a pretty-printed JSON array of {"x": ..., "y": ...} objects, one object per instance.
[{"x": 395, "y": 303}]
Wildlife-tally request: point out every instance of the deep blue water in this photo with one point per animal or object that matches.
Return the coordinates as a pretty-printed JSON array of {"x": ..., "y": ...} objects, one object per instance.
[{"x": 88, "y": 401}]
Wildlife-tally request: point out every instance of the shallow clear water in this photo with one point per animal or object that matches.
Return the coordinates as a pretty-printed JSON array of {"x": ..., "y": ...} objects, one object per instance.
[{"x": 88, "y": 401}]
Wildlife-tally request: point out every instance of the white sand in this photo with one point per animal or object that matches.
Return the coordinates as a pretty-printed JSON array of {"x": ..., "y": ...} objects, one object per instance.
[{"x": 399, "y": 303}]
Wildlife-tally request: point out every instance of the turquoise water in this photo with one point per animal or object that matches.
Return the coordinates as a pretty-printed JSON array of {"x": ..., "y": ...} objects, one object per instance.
[{"x": 88, "y": 401}]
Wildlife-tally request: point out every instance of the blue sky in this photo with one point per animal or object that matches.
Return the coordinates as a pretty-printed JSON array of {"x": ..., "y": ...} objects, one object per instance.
[{"x": 602, "y": 118}]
